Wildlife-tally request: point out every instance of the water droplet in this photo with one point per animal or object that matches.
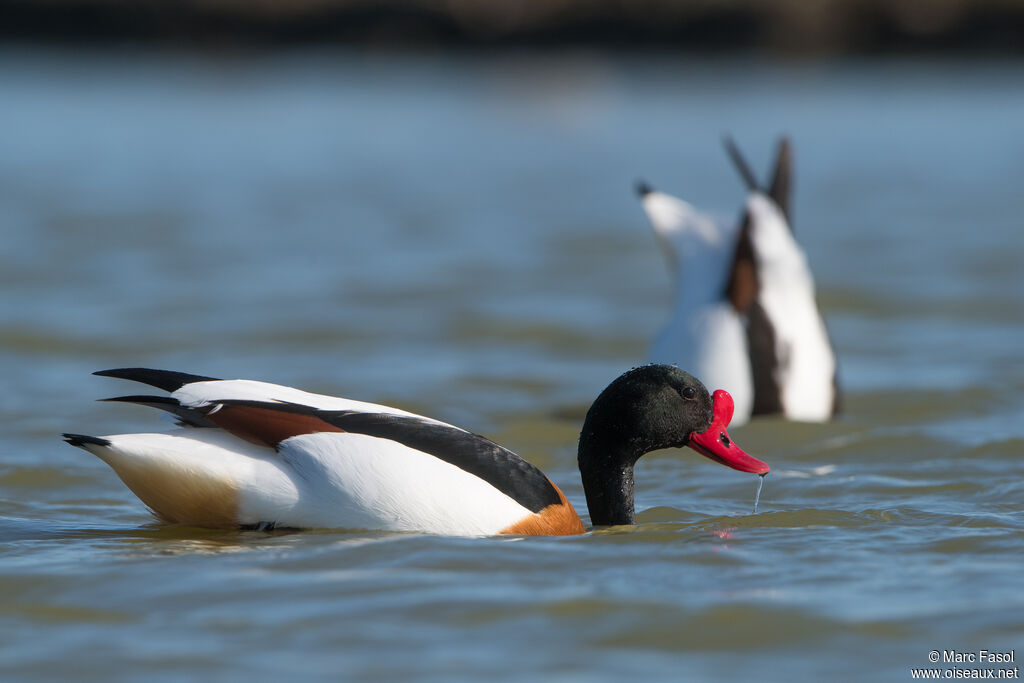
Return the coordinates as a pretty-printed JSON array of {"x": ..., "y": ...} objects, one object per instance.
[{"x": 757, "y": 497}]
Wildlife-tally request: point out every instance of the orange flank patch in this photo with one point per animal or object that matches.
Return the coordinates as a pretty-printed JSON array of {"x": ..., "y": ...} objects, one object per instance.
[
  {"x": 267, "y": 427},
  {"x": 559, "y": 519}
]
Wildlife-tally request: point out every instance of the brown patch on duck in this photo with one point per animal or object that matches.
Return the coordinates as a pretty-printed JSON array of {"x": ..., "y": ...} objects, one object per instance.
[
  {"x": 266, "y": 426},
  {"x": 557, "y": 519},
  {"x": 742, "y": 286}
]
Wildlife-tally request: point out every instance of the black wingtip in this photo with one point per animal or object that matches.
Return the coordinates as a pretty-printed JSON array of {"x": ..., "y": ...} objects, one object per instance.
[
  {"x": 642, "y": 189},
  {"x": 187, "y": 417},
  {"x": 82, "y": 440},
  {"x": 144, "y": 400},
  {"x": 168, "y": 380},
  {"x": 740, "y": 163}
]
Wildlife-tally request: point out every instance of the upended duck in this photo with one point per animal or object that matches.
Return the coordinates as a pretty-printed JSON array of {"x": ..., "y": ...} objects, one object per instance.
[
  {"x": 256, "y": 455},
  {"x": 745, "y": 317}
]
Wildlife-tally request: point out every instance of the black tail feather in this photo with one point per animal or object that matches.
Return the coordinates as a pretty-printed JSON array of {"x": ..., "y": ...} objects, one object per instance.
[
  {"x": 187, "y": 417},
  {"x": 781, "y": 189},
  {"x": 81, "y": 440},
  {"x": 740, "y": 163},
  {"x": 167, "y": 380}
]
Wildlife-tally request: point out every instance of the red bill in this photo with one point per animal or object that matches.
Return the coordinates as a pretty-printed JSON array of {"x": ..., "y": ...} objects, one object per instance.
[{"x": 715, "y": 443}]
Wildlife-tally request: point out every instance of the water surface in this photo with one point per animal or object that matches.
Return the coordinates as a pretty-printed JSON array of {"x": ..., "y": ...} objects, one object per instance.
[{"x": 456, "y": 235}]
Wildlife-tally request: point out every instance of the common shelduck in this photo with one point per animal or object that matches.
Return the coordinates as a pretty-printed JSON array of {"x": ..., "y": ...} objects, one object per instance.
[
  {"x": 256, "y": 455},
  {"x": 745, "y": 316}
]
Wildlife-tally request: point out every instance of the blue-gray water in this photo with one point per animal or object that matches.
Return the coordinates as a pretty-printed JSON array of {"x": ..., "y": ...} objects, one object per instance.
[{"x": 457, "y": 235}]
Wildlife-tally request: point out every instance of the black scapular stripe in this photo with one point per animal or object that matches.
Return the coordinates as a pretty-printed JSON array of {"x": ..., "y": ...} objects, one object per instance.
[
  {"x": 764, "y": 362},
  {"x": 481, "y": 457}
]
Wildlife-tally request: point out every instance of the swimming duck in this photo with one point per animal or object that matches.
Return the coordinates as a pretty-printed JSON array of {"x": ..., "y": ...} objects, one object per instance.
[
  {"x": 745, "y": 316},
  {"x": 257, "y": 455}
]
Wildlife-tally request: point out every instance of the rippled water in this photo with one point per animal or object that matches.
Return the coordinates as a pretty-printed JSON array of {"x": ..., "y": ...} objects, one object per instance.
[{"x": 456, "y": 235}]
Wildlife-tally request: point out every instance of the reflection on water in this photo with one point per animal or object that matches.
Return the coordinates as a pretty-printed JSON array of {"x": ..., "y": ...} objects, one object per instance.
[{"x": 458, "y": 236}]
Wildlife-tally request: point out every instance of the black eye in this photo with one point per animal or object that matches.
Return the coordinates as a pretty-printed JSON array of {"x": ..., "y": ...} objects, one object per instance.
[{"x": 689, "y": 393}]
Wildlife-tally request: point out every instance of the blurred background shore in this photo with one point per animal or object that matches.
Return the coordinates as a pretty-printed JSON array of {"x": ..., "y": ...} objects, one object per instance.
[{"x": 789, "y": 28}]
